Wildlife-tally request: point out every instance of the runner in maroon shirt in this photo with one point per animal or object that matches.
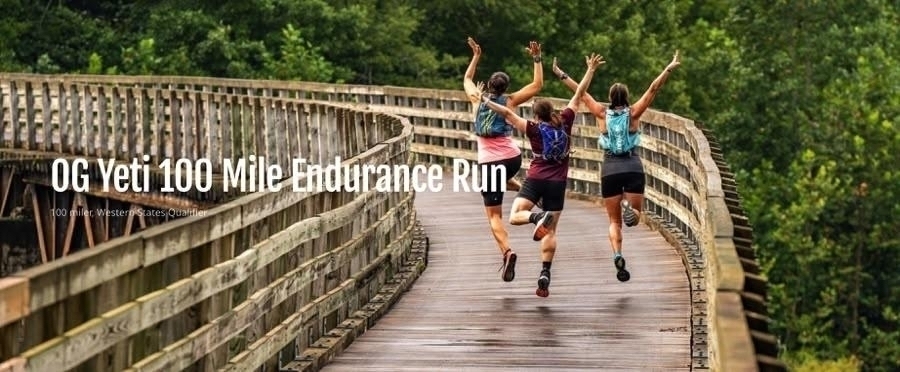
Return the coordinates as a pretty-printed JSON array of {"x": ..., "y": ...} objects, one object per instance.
[{"x": 548, "y": 174}]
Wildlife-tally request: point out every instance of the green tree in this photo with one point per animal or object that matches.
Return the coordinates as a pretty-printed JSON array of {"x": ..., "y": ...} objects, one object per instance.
[{"x": 299, "y": 60}]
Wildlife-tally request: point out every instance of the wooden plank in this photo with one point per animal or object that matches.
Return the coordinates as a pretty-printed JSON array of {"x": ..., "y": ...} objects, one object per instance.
[
  {"x": 359, "y": 125},
  {"x": 14, "y": 124},
  {"x": 46, "y": 123},
  {"x": 14, "y": 299},
  {"x": 159, "y": 127},
  {"x": 228, "y": 107},
  {"x": 145, "y": 135},
  {"x": 131, "y": 146},
  {"x": 188, "y": 127},
  {"x": 118, "y": 130},
  {"x": 201, "y": 127},
  {"x": 292, "y": 142},
  {"x": 269, "y": 132},
  {"x": 257, "y": 135},
  {"x": 331, "y": 136},
  {"x": 283, "y": 138},
  {"x": 106, "y": 262},
  {"x": 30, "y": 125},
  {"x": 730, "y": 342},
  {"x": 48, "y": 356},
  {"x": 288, "y": 239},
  {"x": 303, "y": 127},
  {"x": 102, "y": 133},
  {"x": 213, "y": 130},
  {"x": 92, "y": 337},
  {"x": 70, "y": 131},
  {"x": 175, "y": 126},
  {"x": 4, "y": 111},
  {"x": 315, "y": 135},
  {"x": 342, "y": 215},
  {"x": 246, "y": 129}
]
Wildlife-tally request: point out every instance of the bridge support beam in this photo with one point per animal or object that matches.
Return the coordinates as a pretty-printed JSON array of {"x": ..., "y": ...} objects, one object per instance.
[{"x": 62, "y": 223}]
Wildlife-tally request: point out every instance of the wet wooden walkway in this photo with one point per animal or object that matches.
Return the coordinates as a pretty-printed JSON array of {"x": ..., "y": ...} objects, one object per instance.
[{"x": 460, "y": 316}]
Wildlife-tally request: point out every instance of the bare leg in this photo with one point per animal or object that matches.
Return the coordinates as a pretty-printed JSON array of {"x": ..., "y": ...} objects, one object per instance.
[
  {"x": 614, "y": 212},
  {"x": 513, "y": 185},
  {"x": 495, "y": 217},
  {"x": 548, "y": 242},
  {"x": 521, "y": 210},
  {"x": 548, "y": 250}
]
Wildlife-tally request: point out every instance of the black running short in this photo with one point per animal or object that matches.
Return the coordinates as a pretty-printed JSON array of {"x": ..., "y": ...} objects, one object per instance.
[
  {"x": 616, "y": 184},
  {"x": 495, "y": 181},
  {"x": 553, "y": 193}
]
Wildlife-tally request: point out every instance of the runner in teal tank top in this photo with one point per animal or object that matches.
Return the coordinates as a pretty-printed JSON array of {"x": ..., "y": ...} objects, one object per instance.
[{"x": 622, "y": 178}]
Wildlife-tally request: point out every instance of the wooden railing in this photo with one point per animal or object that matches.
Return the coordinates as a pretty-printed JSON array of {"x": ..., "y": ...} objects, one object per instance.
[
  {"x": 691, "y": 197},
  {"x": 249, "y": 283}
]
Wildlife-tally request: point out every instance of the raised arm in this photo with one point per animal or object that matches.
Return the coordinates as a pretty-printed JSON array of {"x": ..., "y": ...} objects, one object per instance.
[
  {"x": 592, "y": 62},
  {"x": 534, "y": 87},
  {"x": 638, "y": 108},
  {"x": 596, "y": 108},
  {"x": 468, "y": 82},
  {"x": 511, "y": 117}
]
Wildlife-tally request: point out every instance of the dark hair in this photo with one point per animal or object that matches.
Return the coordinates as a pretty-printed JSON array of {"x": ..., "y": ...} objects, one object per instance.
[
  {"x": 618, "y": 95},
  {"x": 498, "y": 83},
  {"x": 543, "y": 110}
]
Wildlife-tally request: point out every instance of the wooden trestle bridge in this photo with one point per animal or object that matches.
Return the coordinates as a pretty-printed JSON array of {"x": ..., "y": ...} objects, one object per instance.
[{"x": 191, "y": 276}]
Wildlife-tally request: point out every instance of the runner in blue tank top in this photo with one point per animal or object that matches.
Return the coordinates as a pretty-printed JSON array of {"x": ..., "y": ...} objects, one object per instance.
[{"x": 547, "y": 176}]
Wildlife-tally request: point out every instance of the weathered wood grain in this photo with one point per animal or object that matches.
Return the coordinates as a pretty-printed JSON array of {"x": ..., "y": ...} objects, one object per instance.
[{"x": 459, "y": 315}]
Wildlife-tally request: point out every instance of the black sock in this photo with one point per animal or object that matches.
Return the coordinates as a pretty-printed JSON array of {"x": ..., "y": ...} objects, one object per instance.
[
  {"x": 547, "y": 265},
  {"x": 534, "y": 217}
]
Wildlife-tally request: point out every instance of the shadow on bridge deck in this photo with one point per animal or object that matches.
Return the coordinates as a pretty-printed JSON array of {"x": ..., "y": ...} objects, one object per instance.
[{"x": 459, "y": 315}]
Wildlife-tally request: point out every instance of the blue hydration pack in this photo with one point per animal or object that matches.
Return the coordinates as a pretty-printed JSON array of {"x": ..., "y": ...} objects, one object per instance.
[
  {"x": 555, "y": 142},
  {"x": 617, "y": 139},
  {"x": 489, "y": 123}
]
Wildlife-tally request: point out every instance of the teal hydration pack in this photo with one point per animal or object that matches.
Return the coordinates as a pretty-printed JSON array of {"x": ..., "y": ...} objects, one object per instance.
[
  {"x": 617, "y": 139},
  {"x": 488, "y": 123},
  {"x": 555, "y": 143}
]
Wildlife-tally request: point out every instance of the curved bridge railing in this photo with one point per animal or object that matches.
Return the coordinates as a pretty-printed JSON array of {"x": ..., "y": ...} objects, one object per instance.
[
  {"x": 251, "y": 282},
  {"x": 692, "y": 198}
]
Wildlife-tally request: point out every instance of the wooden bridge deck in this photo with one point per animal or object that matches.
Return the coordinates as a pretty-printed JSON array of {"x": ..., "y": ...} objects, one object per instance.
[{"x": 460, "y": 316}]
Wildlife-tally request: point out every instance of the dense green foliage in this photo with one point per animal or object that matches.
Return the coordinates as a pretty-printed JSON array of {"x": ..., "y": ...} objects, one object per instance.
[{"x": 805, "y": 96}]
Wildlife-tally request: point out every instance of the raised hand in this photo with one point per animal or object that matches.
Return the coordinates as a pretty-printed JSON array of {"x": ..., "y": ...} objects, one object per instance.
[
  {"x": 534, "y": 48},
  {"x": 479, "y": 91},
  {"x": 593, "y": 61},
  {"x": 556, "y": 70},
  {"x": 476, "y": 49},
  {"x": 676, "y": 61}
]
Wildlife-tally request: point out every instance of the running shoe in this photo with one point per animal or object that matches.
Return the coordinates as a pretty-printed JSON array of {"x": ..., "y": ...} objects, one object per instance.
[
  {"x": 621, "y": 274},
  {"x": 541, "y": 228},
  {"x": 543, "y": 289},
  {"x": 628, "y": 215},
  {"x": 509, "y": 266}
]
